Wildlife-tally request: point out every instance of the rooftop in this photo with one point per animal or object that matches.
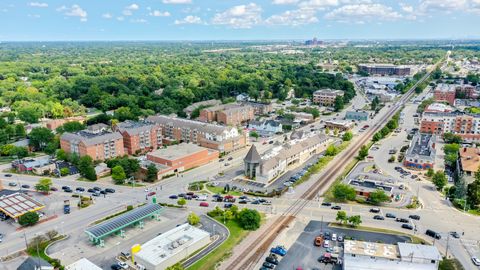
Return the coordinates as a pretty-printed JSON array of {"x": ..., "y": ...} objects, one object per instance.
[
  {"x": 82, "y": 264},
  {"x": 191, "y": 124},
  {"x": 134, "y": 127},
  {"x": 470, "y": 159},
  {"x": 371, "y": 249},
  {"x": 17, "y": 204},
  {"x": 170, "y": 243},
  {"x": 443, "y": 87},
  {"x": 382, "y": 65},
  {"x": 177, "y": 151},
  {"x": 421, "y": 145},
  {"x": 415, "y": 251},
  {"x": 89, "y": 137},
  {"x": 328, "y": 91}
]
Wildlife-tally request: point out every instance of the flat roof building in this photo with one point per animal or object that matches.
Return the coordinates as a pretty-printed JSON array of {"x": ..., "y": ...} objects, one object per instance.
[
  {"x": 228, "y": 114},
  {"x": 359, "y": 255},
  {"x": 171, "y": 247},
  {"x": 140, "y": 136},
  {"x": 326, "y": 97},
  {"x": 17, "y": 204},
  {"x": 421, "y": 153},
  {"x": 82, "y": 264},
  {"x": 385, "y": 69}
]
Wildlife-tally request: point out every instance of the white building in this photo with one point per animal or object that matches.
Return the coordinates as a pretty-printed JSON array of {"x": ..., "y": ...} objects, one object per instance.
[
  {"x": 171, "y": 247},
  {"x": 82, "y": 264},
  {"x": 359, "y": 255},
  {"x": 267, "y": 127}
]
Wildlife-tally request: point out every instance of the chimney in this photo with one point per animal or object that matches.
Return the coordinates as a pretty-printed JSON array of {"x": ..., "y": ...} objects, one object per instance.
[{"x": 464, "y": 149}]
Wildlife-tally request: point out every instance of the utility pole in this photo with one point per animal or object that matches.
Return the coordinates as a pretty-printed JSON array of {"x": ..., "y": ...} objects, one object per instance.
[
  {"x": 446, "y": 250},
  {"x": 25, "y": 237}
]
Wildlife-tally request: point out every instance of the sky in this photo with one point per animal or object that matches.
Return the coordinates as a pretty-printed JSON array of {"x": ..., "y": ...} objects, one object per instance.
[{"x": 52, "y": 20}]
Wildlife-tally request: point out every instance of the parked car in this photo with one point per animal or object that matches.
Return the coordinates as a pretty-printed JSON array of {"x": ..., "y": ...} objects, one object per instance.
[
  {"x": 68, "y": 190},
  {"x": 375, "y": 210},
  {"x": 416, "y": 217},
  {"x": 103, "y": 192},
  {"x": 12, "y": 184},
  {"x": 151, "y": 193},
  {"x": 230, "y": 158},
  {"x": 455, "y": 234},
  {"x": 116, "y": 267},
  {"x": 326, "y": 244},
  {"x": 124, "y": 265},
  {"x": 407, "y": 226},
  {"x": 268, "y": 265},
  {"x": 378, "y": 217},
  {"x": 390, "y": 215},
  {"x": 25, "y": 186},
  {"x": 182, "y": 195},
  {"x": 110, "y": 190},
  {"x": 402, "y": 220},
  {"x": 228, "y": 205},
  {"x": 8, "y": 175},
  {"x": 433, "y": 234},
  {"x": 53, "y": 189},
  {"x": 242, "y": 202},
  {"x": 80, "y": 189},
  {"x": 279, "y": 250},
  {"x": 173, "y": 197},
  {"x": 340, "y": 238},
  {"x": 204, "y": 204},
  {"x": 326, "y": 204},
  {"x": 336, "y": 207},
  {"x": 190, "y": 193},
  {"x": 91, "y": 190},
  {"x": 475, "y": 261},
  {"x": 97, "y": 188},
  {"x": 271, "y": 260}
]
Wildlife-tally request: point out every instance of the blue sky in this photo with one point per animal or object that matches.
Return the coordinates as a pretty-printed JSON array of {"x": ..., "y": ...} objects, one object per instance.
[{"x": 237, "y": 20}]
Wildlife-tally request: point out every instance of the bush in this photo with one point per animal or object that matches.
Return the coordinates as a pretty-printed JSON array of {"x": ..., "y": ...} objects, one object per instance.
[
  {"x": 249, "y": 219},
  {"x": 129, "y": 207},
  {"x": 193, "y": 219},
  {"x": 344, "y": 192},
  {"x": 28, "y": 219}
]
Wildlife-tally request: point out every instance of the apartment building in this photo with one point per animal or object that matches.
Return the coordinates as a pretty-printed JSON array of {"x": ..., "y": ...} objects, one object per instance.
[
  {"x": 326, "y": 97},
  {"x": 140, "y": 136},
  {"x": 259, "y": 108},
  {"x": 221, "y": 138},
  {"x": 206, "y": 103},
  {"x": 228, "y": 114},
  {"x": 445, "y": 93},
  {"x": 96, "y": 141},
  {"x": 265, "y": 169},
  {"x": 56, "y": 123},
  {"x": 463, "y": 124},
  {"x": 385, "y": 69}
]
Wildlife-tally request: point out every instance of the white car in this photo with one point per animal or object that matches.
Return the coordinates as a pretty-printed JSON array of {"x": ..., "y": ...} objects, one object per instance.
[
  {"x": 124, "y": 265},
  {"x": 476, "y": 261}
]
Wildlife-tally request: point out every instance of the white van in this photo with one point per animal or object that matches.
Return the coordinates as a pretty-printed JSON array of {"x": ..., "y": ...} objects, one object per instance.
[
  {"x": 202, "y": 198},
  {"x": 334, "y": 237},
  {"x": 326, "y": 244}
]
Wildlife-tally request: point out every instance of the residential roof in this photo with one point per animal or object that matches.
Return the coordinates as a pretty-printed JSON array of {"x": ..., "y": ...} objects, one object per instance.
[
  {"x": 382, "y": 66},
  {"x": 90, "y": 138},
  {"x": 170, "y": 243},
  {"x": 192, "y": 107},
  {"x": 228, "y": 107},
  {"x": 443, "y": 87},
  {"x": 34, "y": 264},
  {"x": 17, "y": 204},
  {"x": 114, "y": 224},
  {"x": 328, "y": 91},
  {"x": 177, "y": 151},
  {"x": 190, "y": 124},
  {"x": 252, "y": 156},
  {"x": 83, "y": 264},
  {"x": 470, "y": 159},
  {"x": 421, "y": 145},
  {"x": 415, "y": 251},
  {"x": 371, "y": 249},
  {"x": 135, "y": 127}
]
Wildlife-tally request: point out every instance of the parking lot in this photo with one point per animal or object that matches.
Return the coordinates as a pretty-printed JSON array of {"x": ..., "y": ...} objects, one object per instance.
[{"x": 303, "y": 253}]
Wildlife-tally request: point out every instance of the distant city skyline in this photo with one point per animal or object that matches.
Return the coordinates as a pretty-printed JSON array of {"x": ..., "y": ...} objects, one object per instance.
[{"x": 52, "y": 20}]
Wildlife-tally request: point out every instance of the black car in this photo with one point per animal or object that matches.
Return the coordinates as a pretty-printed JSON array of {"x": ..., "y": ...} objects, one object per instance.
[
  {"x": 25, "y": 186},
  {"x": 336, "y": 207},
  {"x": 242, "y": 202},
  {"x": 230, "y": 158},
  {"x": 68, "y": 190},
  {"x": 390, "y": 215},
  {"x": 228, "y": 205},
  {"x": 455, "y": 234},
  {"x": 243, "y": 197},
  {"x": 256, "y": 202},
  {"x": 182, "y": 195},
  {"x": 80, "y": 189},
  {"x": 378, "y": 217},
  {"x": 97, "y": 188},
  {"x": 402, "y": 220},
  {"x": 416, "y": 217},
  {"x": 91, "y": 190},
  {"x": 326, "y": 203},
  {"x": 110, "y": 190},
  {"x": 173, "y": 197},
  {"x": 433, "y": 234},
  {"x": 115, "y": 267},
  {"x": 8, "y": 175},
  {"x": 268, "y": 265},
  {"x": 271, "y": 260},
  {"x": 375, "y": 210},
  {"x": 103, "y": 192},
  {"x": 407, "y": 226},
  {"x": 219, "y": 199}
]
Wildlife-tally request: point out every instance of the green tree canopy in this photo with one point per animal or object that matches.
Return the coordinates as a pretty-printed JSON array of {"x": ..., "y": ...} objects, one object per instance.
[
  {"x": 249, "y": 219},
  {"x": 118, "y": 175},
  {"x": 378, "y": 197},
  {"x": 28, "y": 219},
  {"x": 344, "y": 192},
  {"x": 193, "y": 219},
  {"x": 439, "y": 179},
  {"x": 40, "y": 137},
  {"x": 44, "y": 185}
]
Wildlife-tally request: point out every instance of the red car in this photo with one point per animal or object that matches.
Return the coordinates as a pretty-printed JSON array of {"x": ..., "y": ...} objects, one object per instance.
[
  {"x": 204, "y": 204},
  {"x": 151, "y": 193}
]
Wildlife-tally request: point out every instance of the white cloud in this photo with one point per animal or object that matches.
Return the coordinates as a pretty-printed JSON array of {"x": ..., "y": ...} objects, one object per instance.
[
  {"x": 407, "y": 8},
  {"x": 284, "y": 2},
  {"x": 107, "y": 16},
  {"x": 128, "y": 10},
  {"x": 74, "y": 11},
  {"x": 177, "y": 1},
  {"x": 359, "y": 13},
  {"x": 158, "y": 13},
  {"x": 293, "y": 17},
  {"x": 189, "y": 20},
  {"x": 120, "y": 18},
  {"x": 138, "y": 21},
  {"x": 449, "y": 5},
  {"x": 38, "y": 4},
  {"x": 242, "y": 16},
  {"x": 318, "y": 4}
]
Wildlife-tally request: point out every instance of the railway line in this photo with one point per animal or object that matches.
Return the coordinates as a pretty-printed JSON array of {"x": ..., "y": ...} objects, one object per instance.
[{"x": 254, "y": 252}]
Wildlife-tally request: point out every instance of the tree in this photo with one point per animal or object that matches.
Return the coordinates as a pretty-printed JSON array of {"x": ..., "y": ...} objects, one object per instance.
[
  {"x": 355, "y": 220},
  {"x": 181, "y": 202},
  {"x": 254, "y": 134},
  {"x": 193, "y": 219},
  {"x": 439, "y": 179},
  {"x": 228, "y": 215},
  {"x": 44, "y": 185},
  {"x": 28, "y": 219},
  {"x": 460, "y": 186},
  {"x": 473, "y": 193},
  {"x": 85, "y": 166},
  {"x": 377, "y": 137},
  {"x": 234, "y": 209},
  {"x": 64, "y": 171},
  {"x": 249, "y": 219},
  {"x": 331, "y": 150},
  {"x": 73, "y": 126},
  {"x": 40, "y": 137},
  {"x": 341, "y": 217},
  {"x": 335, "y": 132},
  {"x": 362, "y": 153},
  {"x": 129, "y": 165},
  {"x": 378, "y": 196},
  {"x": 152, "y": 173},
  {"x": 339, "y": 103},
  {"x": 51, "y": 234},
  {"x": 375, "y": 103},
  {"x": 177, "y": 266},
  {"x": 344, "y": 192},
  {"x": 118, "y": 175},
  {"x": 430, "y": 172},
  {"x": 449, "y": 137},
  {"x": 347, "y": 136},
  {"x": 62, "y": 155}
]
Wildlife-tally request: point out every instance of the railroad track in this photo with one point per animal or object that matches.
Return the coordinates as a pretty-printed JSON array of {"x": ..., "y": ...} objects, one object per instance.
[{"x": 251, "y": 255}]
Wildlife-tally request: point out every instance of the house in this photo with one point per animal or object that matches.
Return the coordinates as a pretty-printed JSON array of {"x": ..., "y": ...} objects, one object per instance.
[
  {"x": 36, "y": 263},
  {"x": 102, "y": 170},
  {"x": 140, "y": 136},
  {"x": 339, "y": 125},
  {"x": 445, "y": 93},
  {"x": 468, "y": 162},
  {"x": 267, "y": 127},
  {"x": 259, "y": 108},
  {"x": 242, "y": 97},
  {"x": 421, "y": 153}
]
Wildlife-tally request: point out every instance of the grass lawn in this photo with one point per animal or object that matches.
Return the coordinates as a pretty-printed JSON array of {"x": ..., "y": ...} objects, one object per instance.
[
  {"x": 414, "y": 239},
  {"x": 219, "y": 190},
  {"x": 224, "y": 250},
  {"x": 450, "y": 264}
]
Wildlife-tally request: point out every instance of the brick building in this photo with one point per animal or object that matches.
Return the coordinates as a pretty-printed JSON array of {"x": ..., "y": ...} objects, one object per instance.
[
  {"x": 56, "y": 123},
  {"x": 228, "y": 114},
  {"x": 326, "y": 97},
  {"x": 465, "y": 125},
  {"x": 221, "y": 138},
  {"x": 385, "y": 69},
  {"x": 445, "y": 93},
  {"x": 97, "y": 142},
  {"x": 140, "y": 136},
  {"x": 421, "y": 153}
]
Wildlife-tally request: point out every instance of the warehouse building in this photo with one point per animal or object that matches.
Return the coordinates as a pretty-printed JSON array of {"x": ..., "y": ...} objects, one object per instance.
[{"x": 171, "y": 247}]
